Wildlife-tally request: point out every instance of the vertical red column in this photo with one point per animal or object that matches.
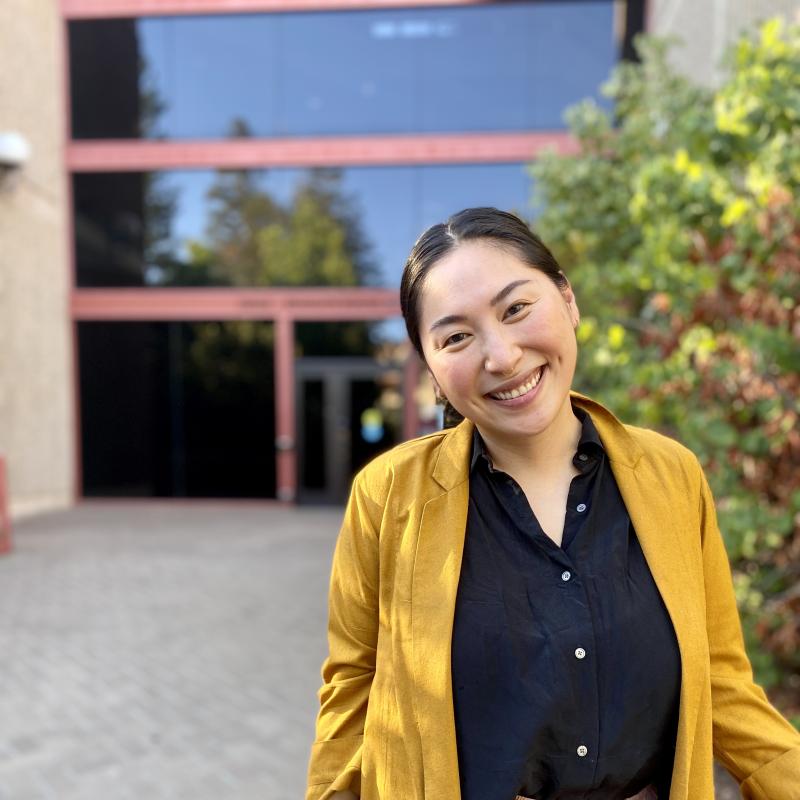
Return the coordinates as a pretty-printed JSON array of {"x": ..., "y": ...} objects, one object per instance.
[
  {"x": 410, "y": 384},
  {"x": 5, "y": 517},
  {"x": 285, "y": 423}
]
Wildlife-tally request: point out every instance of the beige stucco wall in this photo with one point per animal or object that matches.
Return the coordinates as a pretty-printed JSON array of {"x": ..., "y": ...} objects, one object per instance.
[
  {"x": 36, "y": 422},
  {"x": 707, "y": 27}
]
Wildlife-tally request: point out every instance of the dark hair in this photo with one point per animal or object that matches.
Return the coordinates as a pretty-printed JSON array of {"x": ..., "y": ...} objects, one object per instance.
[
  {"x": 499, "y": 227},
  {"x": 489, "y": 224}
]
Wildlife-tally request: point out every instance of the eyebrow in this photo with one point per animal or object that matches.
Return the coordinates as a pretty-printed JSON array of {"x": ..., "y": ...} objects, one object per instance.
[
  {"x": 507, "y": 291},
  {"x": 440, "y": 323}
]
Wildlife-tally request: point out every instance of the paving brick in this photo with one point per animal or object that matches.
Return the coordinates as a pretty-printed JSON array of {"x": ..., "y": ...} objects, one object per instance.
[{"x": 161, "y": 651}]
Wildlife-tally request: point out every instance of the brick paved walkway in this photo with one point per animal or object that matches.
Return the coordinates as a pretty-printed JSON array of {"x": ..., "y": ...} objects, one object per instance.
[{"x": 157, "y": 651}]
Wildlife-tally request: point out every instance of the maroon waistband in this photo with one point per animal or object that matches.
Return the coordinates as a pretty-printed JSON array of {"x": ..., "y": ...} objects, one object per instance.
[{"x": 648, "y": 793}]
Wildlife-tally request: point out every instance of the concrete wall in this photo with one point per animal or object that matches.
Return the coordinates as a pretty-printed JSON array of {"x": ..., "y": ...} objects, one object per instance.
[
  {"x": 707, "y": 27},
  {"x": 36, "y": 422}
]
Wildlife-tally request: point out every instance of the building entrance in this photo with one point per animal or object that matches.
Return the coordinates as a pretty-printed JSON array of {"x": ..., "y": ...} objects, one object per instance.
[{"x": 348, "y": 410}]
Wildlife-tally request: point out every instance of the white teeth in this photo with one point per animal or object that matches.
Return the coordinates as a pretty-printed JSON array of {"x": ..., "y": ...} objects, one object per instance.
[{"x": 524, "y": 389}]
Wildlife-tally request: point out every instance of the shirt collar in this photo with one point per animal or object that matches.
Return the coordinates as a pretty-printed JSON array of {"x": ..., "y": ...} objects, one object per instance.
[{"x": 589, "y": 441}]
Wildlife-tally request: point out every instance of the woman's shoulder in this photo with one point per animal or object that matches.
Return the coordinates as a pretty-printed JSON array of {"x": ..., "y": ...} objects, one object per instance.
[
  {"x": 409, "y": 463},
  {"x": 633, "y": 438},
  {"x": 640, "y": 446},
  {"x": 668, "y": 455},
  {"x": 660, "y": 443}
]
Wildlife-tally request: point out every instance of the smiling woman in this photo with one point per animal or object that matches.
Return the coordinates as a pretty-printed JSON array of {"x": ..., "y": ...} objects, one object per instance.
[
  {"x": 490, "y": 326},
  {"x": 536, "y": 603}
]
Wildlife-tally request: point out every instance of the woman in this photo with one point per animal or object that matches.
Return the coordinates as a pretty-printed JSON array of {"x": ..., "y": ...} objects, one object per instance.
[{"x": 537, "y": 601}]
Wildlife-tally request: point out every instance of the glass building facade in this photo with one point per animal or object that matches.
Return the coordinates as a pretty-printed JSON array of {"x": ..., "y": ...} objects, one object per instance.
[
  {"x": 493, "y": 67},
  {"x": 210, "y": 407},
  {"x": 158, "y": 228}
]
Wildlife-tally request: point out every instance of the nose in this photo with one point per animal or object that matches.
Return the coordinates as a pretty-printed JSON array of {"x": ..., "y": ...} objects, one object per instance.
[{"x": 501, "y": 352}]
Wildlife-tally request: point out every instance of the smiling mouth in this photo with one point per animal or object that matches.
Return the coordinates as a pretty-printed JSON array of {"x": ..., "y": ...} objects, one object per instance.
[{"x": 524, "y": 388}]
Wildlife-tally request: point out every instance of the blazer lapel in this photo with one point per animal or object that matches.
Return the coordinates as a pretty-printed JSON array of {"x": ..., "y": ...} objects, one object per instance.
[{"x": 437, "y": 567}]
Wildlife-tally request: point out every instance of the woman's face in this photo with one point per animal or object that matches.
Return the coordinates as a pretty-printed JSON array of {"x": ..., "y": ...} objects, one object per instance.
[{"x": 499, "y": 339}]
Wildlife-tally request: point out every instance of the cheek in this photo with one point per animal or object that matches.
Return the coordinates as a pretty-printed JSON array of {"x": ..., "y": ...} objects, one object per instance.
[
  {"x": 457, "y": 375},
  {"x": 552, "y": 333}
]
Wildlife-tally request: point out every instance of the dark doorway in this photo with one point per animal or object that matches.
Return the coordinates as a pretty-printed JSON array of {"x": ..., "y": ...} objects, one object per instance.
[
  {"x": 348, "y": 412},
  {"x": 177, "y": 409}
]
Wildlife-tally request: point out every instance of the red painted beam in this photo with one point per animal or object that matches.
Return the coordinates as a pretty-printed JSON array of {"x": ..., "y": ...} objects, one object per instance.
[
  {"x": 285, "y": 422},
  {"x": 132, "y": 155},
  {"x": 90, "y": 9},
  {"x": 5, "y": 516},
  {"x": 320, "y": 304}
]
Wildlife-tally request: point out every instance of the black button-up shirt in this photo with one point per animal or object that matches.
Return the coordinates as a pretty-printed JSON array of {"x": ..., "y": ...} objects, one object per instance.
[{"x": 565, "y": 665}]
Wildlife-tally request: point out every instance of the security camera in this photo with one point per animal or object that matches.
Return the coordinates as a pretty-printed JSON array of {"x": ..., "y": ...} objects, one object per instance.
[{"x": 14, "y": 149}]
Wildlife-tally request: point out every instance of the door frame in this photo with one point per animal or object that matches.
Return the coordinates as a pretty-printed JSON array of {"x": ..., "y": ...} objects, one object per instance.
[{"x": 336, "y": 374}]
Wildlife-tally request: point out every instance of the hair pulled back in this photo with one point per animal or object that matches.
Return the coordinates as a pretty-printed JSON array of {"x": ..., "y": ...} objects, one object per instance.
[{"x": 487, "y": 224}]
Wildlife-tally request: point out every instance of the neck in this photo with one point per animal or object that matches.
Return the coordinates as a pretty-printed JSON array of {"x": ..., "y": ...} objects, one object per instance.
[{"x": 543, "y": 452}]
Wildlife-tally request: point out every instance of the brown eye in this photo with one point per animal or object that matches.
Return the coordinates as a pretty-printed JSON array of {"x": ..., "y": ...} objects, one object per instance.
[
  {"x": 453, "y": 339},
  {"x": 515, "y": 309}
]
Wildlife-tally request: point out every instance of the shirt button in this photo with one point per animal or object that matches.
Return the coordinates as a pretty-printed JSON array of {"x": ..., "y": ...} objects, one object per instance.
[
  {"x": 581, "y": 507},
  {"x": 582, "y": 750},
  {"x": 566, "y": 575},
  {"x": 583, "y": 457},
  {"x": 580, "y": 653}
]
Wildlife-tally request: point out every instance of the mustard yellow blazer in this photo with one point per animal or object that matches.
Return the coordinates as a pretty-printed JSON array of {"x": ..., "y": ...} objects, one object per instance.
[{"x": 386, "y": 729}]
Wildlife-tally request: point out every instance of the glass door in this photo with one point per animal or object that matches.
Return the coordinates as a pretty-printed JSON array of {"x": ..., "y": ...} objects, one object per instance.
[{"x": 349, "y": 410}]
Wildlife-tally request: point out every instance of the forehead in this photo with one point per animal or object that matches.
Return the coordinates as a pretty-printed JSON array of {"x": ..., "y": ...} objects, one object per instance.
[{"x": 469, "y": 276}]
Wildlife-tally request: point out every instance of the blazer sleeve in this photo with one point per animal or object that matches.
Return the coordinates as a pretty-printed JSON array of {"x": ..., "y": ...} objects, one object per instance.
[
  {"x": 751, "y": 739},
  {"x": 347, "y": 672}
]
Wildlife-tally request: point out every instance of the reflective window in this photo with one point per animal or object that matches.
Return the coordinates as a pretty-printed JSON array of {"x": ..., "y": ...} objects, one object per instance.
[
  {"x": 514, "y": 66},
  {"x": 282, "y": 227},
  {"x": 198, "y": 403}
]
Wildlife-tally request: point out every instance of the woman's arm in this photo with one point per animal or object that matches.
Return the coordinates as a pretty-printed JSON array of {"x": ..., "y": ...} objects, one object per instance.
[
  {"x": 334, "y": 769},
  {"x": 754, "y": 742}
]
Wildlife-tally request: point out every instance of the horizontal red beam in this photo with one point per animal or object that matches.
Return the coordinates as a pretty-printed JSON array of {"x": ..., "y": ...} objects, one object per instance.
[
  {"x": 134, "y": 155},
  {"x": 318, "y": 304},
  {"x": 89, "y": 9}
]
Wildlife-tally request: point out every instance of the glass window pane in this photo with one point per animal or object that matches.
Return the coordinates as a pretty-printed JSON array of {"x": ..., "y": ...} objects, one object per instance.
[
  {"x": 514, "y": 66},
  {"x": 198, "y": 403},
  {"x": 287, "y": 227}
]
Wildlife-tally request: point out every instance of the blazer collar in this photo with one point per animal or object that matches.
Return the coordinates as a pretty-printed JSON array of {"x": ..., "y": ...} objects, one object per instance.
[{"x": 452, "y": 465}]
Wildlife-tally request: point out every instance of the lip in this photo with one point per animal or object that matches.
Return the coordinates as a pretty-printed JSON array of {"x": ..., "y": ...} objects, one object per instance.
[
  {"x": 512, "y": 384},
  {"x": 524, "y": 399}
]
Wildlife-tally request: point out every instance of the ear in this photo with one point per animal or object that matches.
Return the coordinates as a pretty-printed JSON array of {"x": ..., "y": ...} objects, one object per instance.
[
  {"x": 437, "y": 390},
  {"x": 572, "y": 303}
]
